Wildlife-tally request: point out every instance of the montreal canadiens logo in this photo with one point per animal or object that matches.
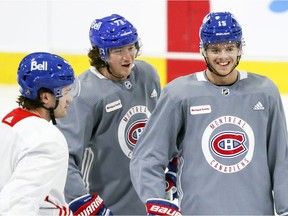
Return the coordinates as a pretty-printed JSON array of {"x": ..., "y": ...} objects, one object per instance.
[
  {"x": 228, "y": 151},
  {"x": 134, "y": 131},
  {"x": 228, "y": 144},
  {"x": 131, "y": 127}
]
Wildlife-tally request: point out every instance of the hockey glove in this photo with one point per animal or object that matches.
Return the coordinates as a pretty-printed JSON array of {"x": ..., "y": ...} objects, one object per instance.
[
  {"x": 170, "y": 178},
  {"x": 89, "y": 205},
  {"x": 155, "y": 206}
]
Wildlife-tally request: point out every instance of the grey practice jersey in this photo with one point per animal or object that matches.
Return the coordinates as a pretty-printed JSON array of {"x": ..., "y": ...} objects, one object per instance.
[
  {"x": 232, "y": 143},
  {"x": 102, "y": 127}
]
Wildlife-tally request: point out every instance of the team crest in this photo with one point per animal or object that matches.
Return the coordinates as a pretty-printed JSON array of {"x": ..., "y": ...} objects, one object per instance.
[
  {"x": 228, "y": 151},
  {"x": 131, "y": 127},
  {"x": 134, "y": 131},
  {"x": 228, "y": 144}
]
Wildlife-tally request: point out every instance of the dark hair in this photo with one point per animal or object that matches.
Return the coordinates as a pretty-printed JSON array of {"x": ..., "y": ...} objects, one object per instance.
[
  {"x": 94, "y": 58},
  {"x": 30, "y": 104}
]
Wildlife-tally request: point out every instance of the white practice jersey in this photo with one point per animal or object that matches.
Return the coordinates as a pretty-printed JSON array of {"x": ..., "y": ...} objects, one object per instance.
[
  {"x": 102, "y": 127},
  {"x": 231, "y": 142},
  {"x": 34, "y": 163}
]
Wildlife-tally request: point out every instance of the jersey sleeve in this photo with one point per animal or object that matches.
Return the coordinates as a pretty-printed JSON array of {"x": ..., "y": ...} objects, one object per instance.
[
  {"x": 77, "y": 128},
  {"x": 157, "y": 144},
  {"x": 278, "y": 154}
]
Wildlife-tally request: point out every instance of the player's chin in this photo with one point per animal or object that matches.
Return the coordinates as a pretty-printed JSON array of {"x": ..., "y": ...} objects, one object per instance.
[
  {"x": 64, "y": 113},
  {"x": 61, "y": 114},
  {"x": 224, "y": 70}
]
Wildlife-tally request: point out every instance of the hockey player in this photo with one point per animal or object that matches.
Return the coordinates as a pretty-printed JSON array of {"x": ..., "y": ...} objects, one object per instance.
[
  {"x": 118, "y": 94},
  {"x": 229, "y": 129},
  {"x": 33, "y": 152}
]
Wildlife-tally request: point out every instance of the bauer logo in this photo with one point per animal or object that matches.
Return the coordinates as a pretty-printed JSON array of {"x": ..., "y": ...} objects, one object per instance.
[{"x": 39, "y": 66}]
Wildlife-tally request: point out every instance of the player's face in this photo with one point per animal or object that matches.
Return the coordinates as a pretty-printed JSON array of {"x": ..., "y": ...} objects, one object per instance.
[
  {"x": 222, "y": 59},
  {"x": 64, "y": 101},
  {"x": 121, "y": 60}
]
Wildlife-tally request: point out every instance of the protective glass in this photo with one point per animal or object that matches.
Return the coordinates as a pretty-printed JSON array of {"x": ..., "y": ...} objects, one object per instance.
[
  {"x": 123, "y": 51},
  {"x": 74, "y": 91}
]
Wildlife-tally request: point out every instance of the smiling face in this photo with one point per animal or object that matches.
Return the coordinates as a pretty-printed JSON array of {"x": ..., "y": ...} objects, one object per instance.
[
  {"x": 221, "y": 59},
  {"x": 121, "y": 61}
]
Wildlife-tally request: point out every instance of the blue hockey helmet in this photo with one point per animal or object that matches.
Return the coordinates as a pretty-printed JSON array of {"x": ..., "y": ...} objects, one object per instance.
[
  {"x": 43, "y": 70},
  {"x": 220, "y": 27},
  {"x": 112, "y": 32}
]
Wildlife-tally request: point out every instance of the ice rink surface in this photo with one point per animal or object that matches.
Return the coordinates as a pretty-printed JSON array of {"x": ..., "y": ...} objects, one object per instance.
[{"x": 9, "y": 94}]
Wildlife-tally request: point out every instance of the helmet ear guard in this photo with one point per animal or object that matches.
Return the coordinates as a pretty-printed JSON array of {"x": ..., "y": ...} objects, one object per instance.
[{"x": 112, "y": 32}]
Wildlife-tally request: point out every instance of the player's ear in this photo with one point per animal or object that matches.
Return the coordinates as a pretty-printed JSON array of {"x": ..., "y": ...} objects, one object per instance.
[{"x": 45, "y": 97}]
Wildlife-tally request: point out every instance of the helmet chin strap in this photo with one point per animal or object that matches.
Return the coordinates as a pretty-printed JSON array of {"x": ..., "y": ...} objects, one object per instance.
[
  {"x": 110, "y": 72},
  {"x": 51, "y": 111}
]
